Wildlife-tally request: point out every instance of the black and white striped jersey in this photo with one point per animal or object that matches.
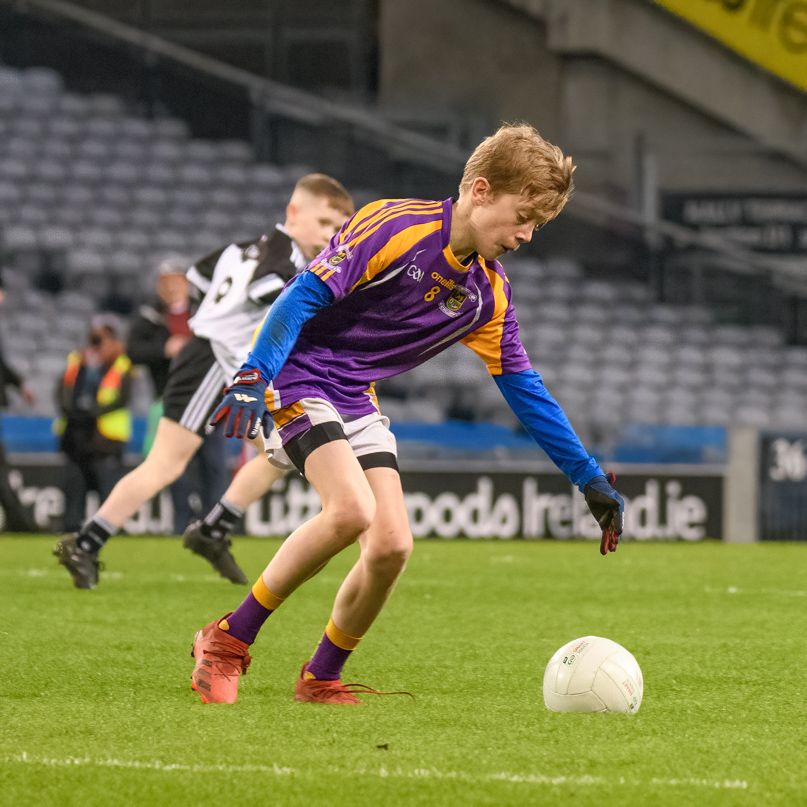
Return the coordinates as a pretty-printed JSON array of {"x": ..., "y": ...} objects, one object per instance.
[{"x": 239, "y": 283}]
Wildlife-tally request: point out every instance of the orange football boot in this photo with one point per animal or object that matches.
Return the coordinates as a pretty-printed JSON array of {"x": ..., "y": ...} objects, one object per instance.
[
  {"x": 220, "y": 660},
  {"x": 312, "y": 690}
]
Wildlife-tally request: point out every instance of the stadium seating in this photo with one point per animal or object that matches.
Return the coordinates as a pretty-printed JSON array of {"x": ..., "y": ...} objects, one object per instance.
[
  {"x": 97, "y": 195},
  {"x": 657, "y": 364},
  {"x": 94, "y": 195}
]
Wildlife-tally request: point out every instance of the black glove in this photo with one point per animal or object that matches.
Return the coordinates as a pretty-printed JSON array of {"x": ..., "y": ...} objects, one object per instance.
[
  {"x": 243, "y": 407},
  {"x": 608, "y": 507}
]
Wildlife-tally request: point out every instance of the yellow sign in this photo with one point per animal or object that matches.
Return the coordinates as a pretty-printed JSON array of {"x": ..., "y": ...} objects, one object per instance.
[{"x": 772, "y": 33}]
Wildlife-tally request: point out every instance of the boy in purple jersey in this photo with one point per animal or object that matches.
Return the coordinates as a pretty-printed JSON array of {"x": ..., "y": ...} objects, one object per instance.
[{"x": 401, "y": 281}]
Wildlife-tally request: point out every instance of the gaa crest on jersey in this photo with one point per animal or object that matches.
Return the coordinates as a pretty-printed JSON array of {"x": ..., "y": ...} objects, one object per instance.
[
  {"x": 455, "y": 300},
  {"x": 342, "y": 254},
  {"x": 252, "y": 252}
]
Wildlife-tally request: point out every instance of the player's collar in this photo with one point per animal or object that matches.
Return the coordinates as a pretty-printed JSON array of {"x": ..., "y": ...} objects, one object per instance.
[
  {"x": 297, "y": 257},
  {"x": 455, "y": 263},
  {"x": 448, "y": 253}
]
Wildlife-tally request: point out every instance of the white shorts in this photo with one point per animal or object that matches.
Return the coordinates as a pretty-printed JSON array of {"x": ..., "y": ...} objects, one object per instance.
[{"x": 369, "y": 434}]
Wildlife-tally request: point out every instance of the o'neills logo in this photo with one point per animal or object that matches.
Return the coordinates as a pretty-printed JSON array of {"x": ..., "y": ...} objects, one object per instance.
[{"x": 449, "y": 284}]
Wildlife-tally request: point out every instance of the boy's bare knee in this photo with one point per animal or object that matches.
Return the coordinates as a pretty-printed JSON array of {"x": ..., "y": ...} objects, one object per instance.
[
  {"x": 351, "y": 518},
  {"x": 389, "y": 559}
]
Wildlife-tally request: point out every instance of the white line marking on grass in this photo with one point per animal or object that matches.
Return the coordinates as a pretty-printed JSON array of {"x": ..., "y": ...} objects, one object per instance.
[
  {"x": 536, "y": 778},
  {"x": 776, "y": 592},
  {"x": 382, "y": 772},
  {"x": 517, "y": 778},
  {"x": 155, "y": 765},
  {"x": 197, "y": 578},
  {"x": 58, "y": 571},
  {"x": 731, "y": 784}
]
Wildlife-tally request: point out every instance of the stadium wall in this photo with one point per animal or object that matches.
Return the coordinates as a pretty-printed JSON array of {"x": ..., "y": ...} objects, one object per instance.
[
  {"x": 469, "y": 58},
  {"x": 604, "y": 79}
]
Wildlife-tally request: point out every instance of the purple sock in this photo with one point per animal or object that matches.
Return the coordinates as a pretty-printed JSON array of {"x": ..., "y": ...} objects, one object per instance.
[
  {"x": 245, "y": 622},
  {"x": 328, "y": 661}
]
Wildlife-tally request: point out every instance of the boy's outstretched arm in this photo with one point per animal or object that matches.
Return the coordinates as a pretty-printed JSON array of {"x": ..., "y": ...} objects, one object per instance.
[{"x": 547, "y": 424}]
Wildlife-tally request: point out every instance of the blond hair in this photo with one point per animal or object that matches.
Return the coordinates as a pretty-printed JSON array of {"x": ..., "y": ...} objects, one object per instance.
[
  {"x": 518, "y": 160},
  {"x": 329, "y": 188}
]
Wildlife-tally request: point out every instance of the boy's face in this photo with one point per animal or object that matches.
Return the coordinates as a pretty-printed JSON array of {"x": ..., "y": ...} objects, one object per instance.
[
  {"x": 500, "y": 223},
  {"x": 312, "y": 222}
]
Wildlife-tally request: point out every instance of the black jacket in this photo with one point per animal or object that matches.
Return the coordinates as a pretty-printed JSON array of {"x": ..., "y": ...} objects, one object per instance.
[
  {"x": 146, "y": 343},
  {"x": 8, "y": 377}
]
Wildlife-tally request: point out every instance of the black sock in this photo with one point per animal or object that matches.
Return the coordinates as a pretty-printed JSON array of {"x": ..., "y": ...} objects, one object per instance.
[
  {"x": 221, "y": 520},
  {"x": 94, "y": 534}
]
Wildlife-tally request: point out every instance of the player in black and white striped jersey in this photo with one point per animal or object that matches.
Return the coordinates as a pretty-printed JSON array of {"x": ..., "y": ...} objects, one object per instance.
[{"x": 238, "y": 284}]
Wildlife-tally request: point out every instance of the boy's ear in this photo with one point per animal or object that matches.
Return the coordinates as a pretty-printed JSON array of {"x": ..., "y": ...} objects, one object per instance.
[{"x": 480, "y": 190}]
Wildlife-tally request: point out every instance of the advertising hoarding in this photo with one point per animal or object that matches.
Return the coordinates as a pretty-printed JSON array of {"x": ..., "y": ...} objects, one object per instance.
[{"x": 661, "y": 502}]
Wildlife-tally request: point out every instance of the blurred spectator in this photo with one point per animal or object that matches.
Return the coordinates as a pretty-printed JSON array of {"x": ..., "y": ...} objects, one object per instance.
[
  {"x": 94, "y": 424},
  {"x": 159, "y": 331},
  {"x": 16, "y": 516}
]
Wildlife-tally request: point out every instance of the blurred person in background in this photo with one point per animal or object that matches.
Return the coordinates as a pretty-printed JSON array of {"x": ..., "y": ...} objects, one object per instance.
[
  {"x": 239, "y": 283},
  {"x": 16, "y": 517},
  {"x": 94, "y": 425},
  {"x": 159, "y": 331}
]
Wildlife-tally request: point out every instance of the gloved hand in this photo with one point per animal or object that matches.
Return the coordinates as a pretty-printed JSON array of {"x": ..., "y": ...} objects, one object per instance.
[
  {"x": 243, "y": 408},
  {"x": 608, "y": 507}
]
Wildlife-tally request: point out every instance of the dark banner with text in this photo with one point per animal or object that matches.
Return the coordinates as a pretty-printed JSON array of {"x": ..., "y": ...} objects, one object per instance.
[
  {"x": 783, "y": 487},
  {"x": 449, "y": 504},
  {"x": 446, "y": 505},
  {"x": 773, "y": 223}
]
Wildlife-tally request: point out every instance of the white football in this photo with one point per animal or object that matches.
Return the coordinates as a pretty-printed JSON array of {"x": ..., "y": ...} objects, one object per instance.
[{"x": 593, "y": 674}]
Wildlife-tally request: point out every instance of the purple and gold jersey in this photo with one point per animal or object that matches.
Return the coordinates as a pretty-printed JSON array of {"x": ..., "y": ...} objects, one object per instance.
[{"x": 400, "y": 297}]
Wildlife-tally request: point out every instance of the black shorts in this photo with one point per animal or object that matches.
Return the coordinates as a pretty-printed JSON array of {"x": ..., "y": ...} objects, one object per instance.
[{"x": 195, "y": 385}]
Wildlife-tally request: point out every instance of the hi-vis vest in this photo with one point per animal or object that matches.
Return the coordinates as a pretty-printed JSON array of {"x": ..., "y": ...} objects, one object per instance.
[{"x": 115, "y": 425}]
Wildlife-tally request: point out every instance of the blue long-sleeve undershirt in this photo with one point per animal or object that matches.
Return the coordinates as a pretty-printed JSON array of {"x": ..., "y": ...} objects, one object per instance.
[
  {"x": 297, "y": 303},
  {"x": 547, "y": 424}
]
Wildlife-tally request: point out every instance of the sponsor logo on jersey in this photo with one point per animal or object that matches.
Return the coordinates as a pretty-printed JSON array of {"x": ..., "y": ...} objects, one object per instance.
[
  {"x": 449, "y": 284},
  {"x": 342, "y": 254}
]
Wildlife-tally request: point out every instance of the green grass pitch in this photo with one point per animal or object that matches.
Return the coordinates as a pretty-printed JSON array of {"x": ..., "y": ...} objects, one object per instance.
[{"x": 96, "y": 706}]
